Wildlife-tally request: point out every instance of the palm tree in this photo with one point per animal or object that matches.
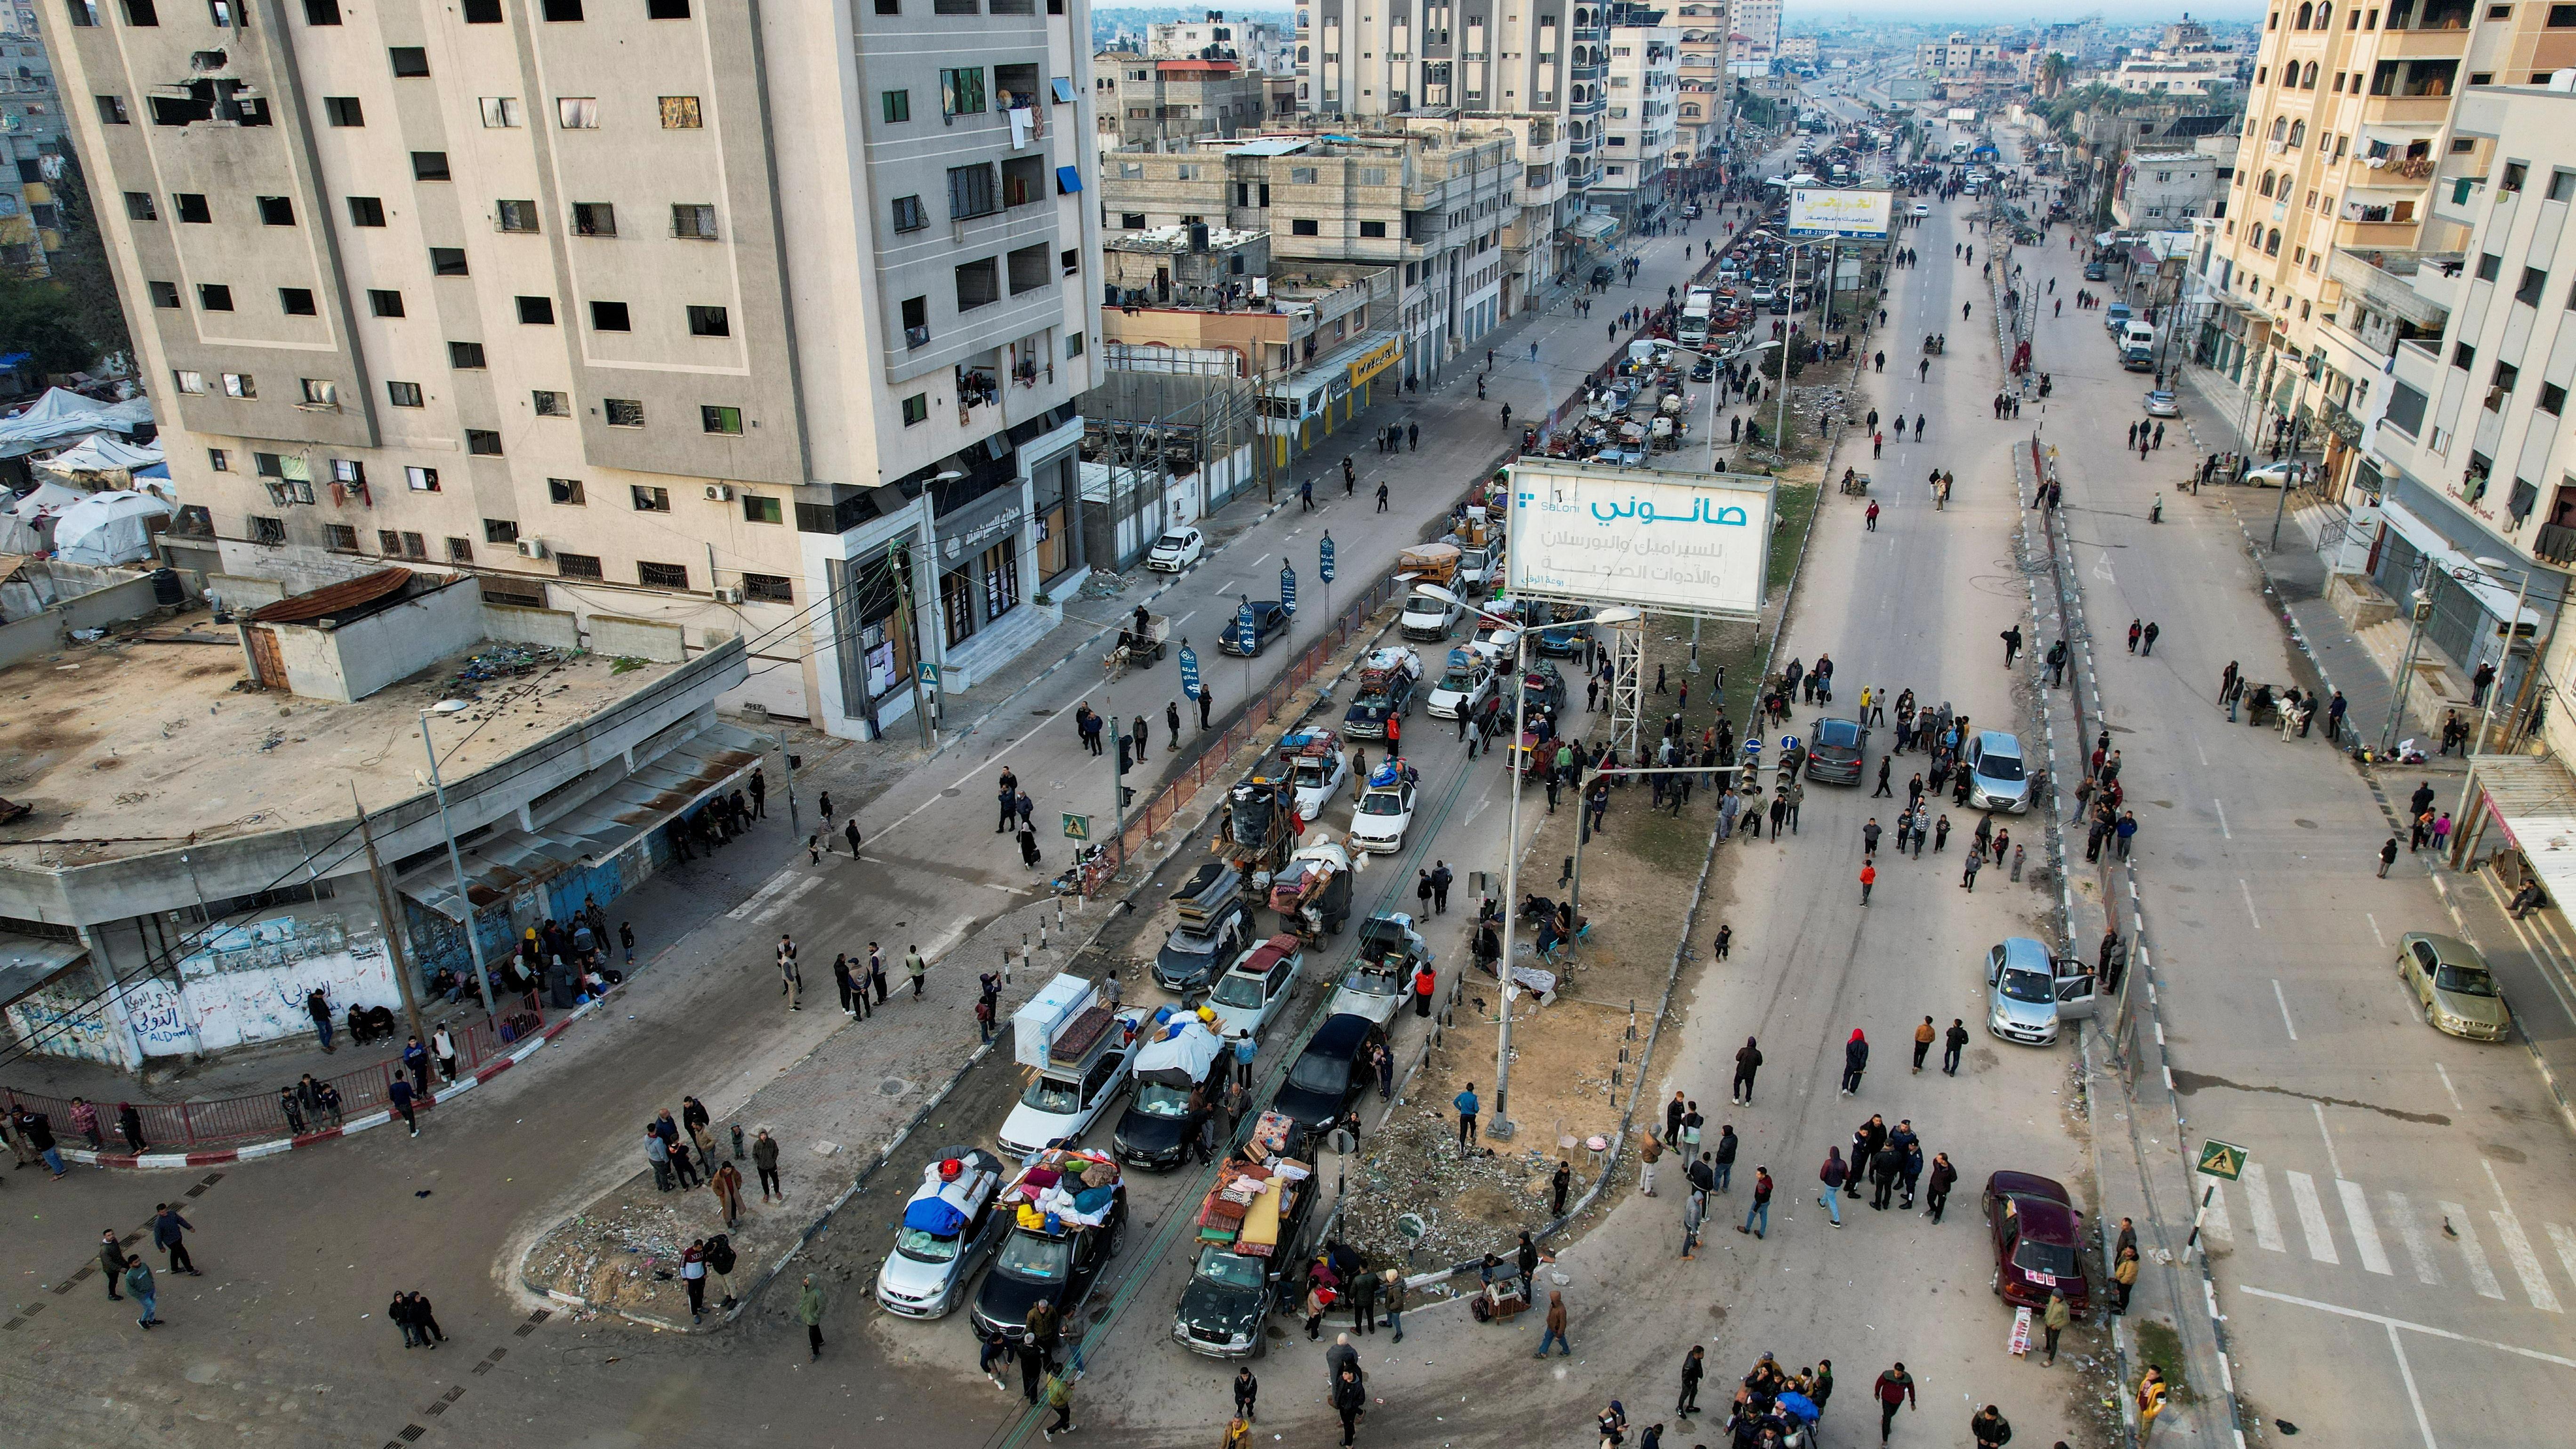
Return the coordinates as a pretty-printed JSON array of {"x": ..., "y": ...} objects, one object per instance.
[{"x": 2054, "y": 67}]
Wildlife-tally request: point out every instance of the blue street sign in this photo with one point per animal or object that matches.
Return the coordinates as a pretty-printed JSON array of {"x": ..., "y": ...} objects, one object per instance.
[
  {"x": 1324, "y": 557},
  {"x": 1288, "y": 587},
  {"x": 1246, "y": 636},
  {"x": 1189, "y": 670}
]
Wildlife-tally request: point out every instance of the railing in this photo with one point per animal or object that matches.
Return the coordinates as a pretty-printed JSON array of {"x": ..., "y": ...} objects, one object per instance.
[{"x": 184, "y": 1126}]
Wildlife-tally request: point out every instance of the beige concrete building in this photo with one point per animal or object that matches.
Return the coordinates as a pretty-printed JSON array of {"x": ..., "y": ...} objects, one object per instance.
[
  {"x": 2348, "y": 141},
  {"x": 1263, "y": 46},
  {"x": 1639, "y": 125},
  {"x": 1144, "y": 101},
  {"x": 776, "y": 338}
]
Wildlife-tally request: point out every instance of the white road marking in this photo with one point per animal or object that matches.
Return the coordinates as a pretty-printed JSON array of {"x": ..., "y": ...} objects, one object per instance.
[
  {"x": 2223, "y": 832},
  {"x": 2312, "y": 1217},
  {"x": 760, "y": 897},
  {"x": 2249, "y": 902},
  {"x": 1185, "y": 618},
  {"x": 2481, "y": 1276},
  {"x": 2423, "y": 1328},
  {"x": 2526, "y": 1263},
  {"x": 2258, "y": 1205},
  {"x": 2331, "y": 1160},
  {"x": 2365, "y": 1233},
  {"x": 2382, "y": 940},
  {"x": 2411, "y": 1233},
  {"x": 1226, "y": 588},
  {"x": 2286, "y": 1024},
  {"x": 2565, "y": 1242},
  {"x": 800, "y": 890},
  {"x": 2215, "y": 1222},
  {"x": 2406, "y": 1371},
  {"x": 2454, "y": 1092}
]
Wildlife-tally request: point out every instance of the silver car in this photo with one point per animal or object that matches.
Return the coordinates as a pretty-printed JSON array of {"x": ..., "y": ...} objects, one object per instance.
[
  {"x": 948, "y": 1228},
  {"x": 1997, "y": 778},
  {"x": 2027, "y": 997}
]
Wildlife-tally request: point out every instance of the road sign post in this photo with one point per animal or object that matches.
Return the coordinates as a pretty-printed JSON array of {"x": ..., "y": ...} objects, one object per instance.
[
  {"x": 1076, "y": 827},
  {"x": 2217, "y": 1159}
]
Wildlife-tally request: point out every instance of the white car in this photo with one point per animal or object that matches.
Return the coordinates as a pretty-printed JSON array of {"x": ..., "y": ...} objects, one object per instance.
[
  {"x": 2162, "y": 404},
  {"x": 1317, "y": 779},
  {"x": 1176, "y": 550},
  {"x": 1386, "y": 808},
  {"x": 948, "y": 1229},
  {"x": 1463, "y": 685},
  {"x": 1922, "y": 210},
  {"x": 1257, "y": 987},
  {"x": 1056, "y": 1108},
  {"x": 1426, "y": 617},
  {"x": 2270, "y": 475},
  {"x": 1380, "y": 977}
]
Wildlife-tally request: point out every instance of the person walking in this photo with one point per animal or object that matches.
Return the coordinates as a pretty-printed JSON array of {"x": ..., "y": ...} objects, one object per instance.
[
  {"x": 1989, "y": 1428},
  {"x": 2134, "y": 631},
  {"x": 1555, "y": 1331},
  {"x": 2150, "y": 1401},
  {"x": 1855, "y": 1061},
  {"x": 1525, "y": 1259},
  {"x": 2054, "y": 1319},
  {"x": 111, "y": 1262},
  {"x": 1390, "y": 1301},
  {"x": 809, "y": 1311},
  {"x": 1647, "y": 1157},
  {"x": 1923, "y": 1039},
  {"x": 1748, "y": 1060},
  {"x": 916, "y": 968},
  {"x": 1467, "y": 1106},
  {"x": 1694, "y": 1215},
  {"x": 1936, "y": 1189},
  {"x": 139, "y": 1287},
  {"x": 1868, "y": 870},
  {"x": 169, "y": 1231},
  {"x": 693, "y": 1277},
  {"x": 1833, "y": 1174},
  {"x": 1760, "y": 1211},
  {"x": 1953, "y": 1041},
  {"x": 2124, "y": 1281},
  {"x": 1968, "y": 869},
  {"x": 399, "y": 1094},
  {"x": 1059, "y": 1397},
  {"x": 2147, "y": 639},
  {"x": 764, "y": 1162},
  {"x": 1894, "y": 1390},
  {"x": 1349, "y": 1398}
]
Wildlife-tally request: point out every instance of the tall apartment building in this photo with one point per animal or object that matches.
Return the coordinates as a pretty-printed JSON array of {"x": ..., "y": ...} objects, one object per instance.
[
  {"x": 1638, "y": 127},
  {"x": 1703, "y": 42},
  {"x": 766, "y": 320},
  {"x": 31, "y": 115},
  {"x": 2348, "y": 135},
  {"x": 1261, "y": 45},
  {"x": 1753, "y": 36},
  {"x": 1144, "y": 101}
]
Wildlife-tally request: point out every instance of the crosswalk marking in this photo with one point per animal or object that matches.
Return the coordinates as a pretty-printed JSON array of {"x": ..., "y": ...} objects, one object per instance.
[
  {"x": 2526, "y": 1263},
  {"x": 2312, "y": 1217},
  {"x": 2258, "y": 1205},
  {"x": 2214, "y": 1222},
  {"x": 2481, "y": 1277},
  {"x": 2365, "y": 1233},
  {"x": 2411, "y": 1233},
  {"x": 2565, "y": 1242}
]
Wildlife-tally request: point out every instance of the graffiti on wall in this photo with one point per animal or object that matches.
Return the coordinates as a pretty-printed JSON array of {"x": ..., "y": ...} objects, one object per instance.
[
  {"x": 248, "y": 982},
  {"x": 61, "y": 1021}
]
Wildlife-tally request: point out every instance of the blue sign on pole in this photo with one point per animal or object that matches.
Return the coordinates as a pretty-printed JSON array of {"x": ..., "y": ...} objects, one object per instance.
[
  {"x": 1246, "y": 636},
  {"x": 1324, "y": 557},
  {"x": 1288, "y": 587},
  {"x": 1189, "y": 670}
]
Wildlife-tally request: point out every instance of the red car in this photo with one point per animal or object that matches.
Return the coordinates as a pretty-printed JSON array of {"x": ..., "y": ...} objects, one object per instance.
[{"x": 2038, "y": 1239}]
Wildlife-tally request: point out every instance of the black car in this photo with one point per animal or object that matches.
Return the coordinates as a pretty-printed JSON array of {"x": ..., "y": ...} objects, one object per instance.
[
  {"x": 1196, "y": 953},
  {"x": 1154, "y": 1133},
  {"x": 1838, "y": 748},
  {"x": 1544, "y": 688},
  {"x": 1059, "y": 1269},
  {"x": 2096, "y": 272},
  {"x": 1269, "y": 621},
  {"x": 1602, "y": 274},
  {"x": 1231, "y": 1295},
  {"x": 1330, "y": 1073}
]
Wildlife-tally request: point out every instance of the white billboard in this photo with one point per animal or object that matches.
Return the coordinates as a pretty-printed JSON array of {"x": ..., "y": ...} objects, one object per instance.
[
  {"x": 1678, "y": 543},
  {"x": 1824, "y": 211}
]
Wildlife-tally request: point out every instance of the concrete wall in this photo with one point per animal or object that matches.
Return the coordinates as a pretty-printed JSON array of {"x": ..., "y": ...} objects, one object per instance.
[
  {"x": 246, "y": 982},
  {"x": 297, "y": 569},
  {"x": 358, "y": 658},
  {"x": 244, "y": 591},
  {"x": 622, "y": 636},
  {"x": 73, "y": 1025},
  {"x": 560, "y": 628},
  {"x": 129, "y": 598}
]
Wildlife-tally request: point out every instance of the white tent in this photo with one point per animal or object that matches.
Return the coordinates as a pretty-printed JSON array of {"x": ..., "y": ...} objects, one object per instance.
[
  {"x": 108, "y": 528},
  {"x": 58, "y": 414},
  {"x": 103, "y": 453},
  {"x": 27, "y": 526}
]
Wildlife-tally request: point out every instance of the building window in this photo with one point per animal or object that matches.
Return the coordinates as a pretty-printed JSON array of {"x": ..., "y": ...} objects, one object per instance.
[
  {"x": 263, "y": 530},
  {"x": 916, "y": 408},
  {"x": 1031, "y": 268},
  {"x": 404, "y": 394},
  {"x": 1072, "y": 259},
  {"x": 577, "y": 113},
  {"x": 1373, "y": 229},
  {"x": 340, "y": 537},
  {"x": 384, "y": 302},
  {"x": 192, "y": 207},
  {"x": 2515, "y": 174},
  {"x": 320, "y": 392},
  {"x": 908, "y": 215},
  {"x": 214, "y": 297},
  {"x": 709, "y": 322},
  {"x": 2553, "y": 399},
  {"x": 536, "y": 311},
  {"x": 502, "y": 113},
  {"x": 961, "y": 92},
  {"x": 978, "y": 284},
  {"x": 768, "y": 589},
  {"x": 916, "y": 321},
  {"x": 971, "y": 192},
  {"x": 240, "y": 385},
  {"x": 465, "y": 354},
  {"x": 2533, "y": 281},
  {"x": 295, "y": 301},
  {"x": 2489, "y": 265},
  {"x": 188, "y": 381},
  {"x": 1131, "y": 221},
  {"x": 111, "y": 111},
  {"x": 624, "y": 412},
  {"x": 1073, "y": 345},
  {"x": 410, "y": 62},
  {"x": 609, "y": 317},
  {"x": 1304, "y": 226},
  {"x": 421, "y": 480},
  {"x": 139, "y": 207},
  {"x": 661, "y": 575},
  {"x": 565, "y": 491},
  {"x": 761, "y": 508},
  {"x": 276, "y": 210},
  {"x": 447, "y": 261},
  {"x": 898, "y": 106},
  {"x": 724, "y": 421},
  {"x": 429, "y": 166},
  {"x": 483, "y": 442},
  {"x": 344, "y": 111},
  {"x": 650, "y": 500},
  {"x": 693, "y": 221},
  {"x": 579, "y": 566},
  {"x": 515, "y": 215},
  {"x": 594, "y": 218},
  {"x": 482, "y": 12},
  {"x": 366, "y": 211},
  {"x": 164, "y": 294},
  {"x": 552, "y": 404},
  {"x": 459, "y": 550},
  {"x": 681, "y": 113},
  {"x": 2463, "y": 356}
]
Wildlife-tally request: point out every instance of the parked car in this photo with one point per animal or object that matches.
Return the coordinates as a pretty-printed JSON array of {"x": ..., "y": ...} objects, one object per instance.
[
  {"x": 1380, "y": 977},
  {"x": 1256, "y": 988},
  {"x": 2038, "y": 1239},
  {"x": 2030, "y": 993},
  {"x": 2096, "y": 272},
  {"x": 2270, "y": 475},
  {"x": 1426, "y": 617},
  {"x": 1997, "y": 779},
  {"x": 1840, "y": 748},
  {"x": 947, "y": 1230},
  {"x": 1385, "y": 808},
  {"x": 1058, "y": 1268},
  {"x": 2459, "y": 996},
  {"x": 1197, "y": 950},
  {"x": 2161, "y": 404},
  {"x": 1602, "y": 274},
  {"x": 1269, "y": 621},
  {"x": 1330, "y": 1073},
  {"x": 1176, "y": 550},
  {"x": 1463, "y": 686}
]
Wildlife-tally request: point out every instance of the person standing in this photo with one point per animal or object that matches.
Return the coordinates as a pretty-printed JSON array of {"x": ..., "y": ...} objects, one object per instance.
[
  {"x": 841, "y": 983},
  {"x": 129, "y": 1125},
  {"x": 1694, "y": 1214},
  {"x": 1247, "y": 1393},
  {"x": 1832, "y": 1175},
  {"x": 917, "y": 969},
  {"x": 2151, "y": 1401},
  {"x": 424, "y": 1319},
  {"x": 1694, "y": 1367},
  {"x": 1936, "y": 1190},
  {"x": 1390, "y": 1301},
  {"x": 399, "y": 1094},
  {"x": 1468, "y": 1107},
  {"x": 1349, "y": 1395},
  {"x": 1989, "y": 1428},
  {"x": 139, "y": 1287},
  {"x": 1647, "y": 1156},
  {"x": 1923, "y": 1038},
  {"x": 2124, "y": 1281},
  {"x": 415, "y": 1060},
  {"x": 764, "y": 1161},
  {"x": 726, "y": 1183},
  {"x": 1748, "y": 1060},
  {"x": 442, "y": 1044},
  {"x": 1555, "y": 1331},
  {"x": 1894, "y": 1390},
  {"x": 1954, "y": 1041},
  {"x": 111, "y": 1262},
  {"x": 318, "y": 1007},
  {"x": 169, "y": 1231},
  {"x": 809, "y": 1311},
  {"x": 1761, "y": 1209},
  {"x": 1855, "y": 1061}
]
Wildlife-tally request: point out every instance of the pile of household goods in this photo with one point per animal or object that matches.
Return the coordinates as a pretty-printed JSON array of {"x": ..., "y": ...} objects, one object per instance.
[
  {"x": 1255, "y": 1191},
  {"x": 1063, "y": 1186}
]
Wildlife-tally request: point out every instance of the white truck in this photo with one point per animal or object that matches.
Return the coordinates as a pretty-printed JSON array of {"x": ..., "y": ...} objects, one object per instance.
[{"x": 1697, "y": 309}]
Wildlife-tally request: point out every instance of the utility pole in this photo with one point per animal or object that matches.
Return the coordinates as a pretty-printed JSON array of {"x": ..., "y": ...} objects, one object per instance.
[
  {"x": 787, "y": 763},
  {"x": 393, "y": 922},
  {"x": 901, "y": 559}
]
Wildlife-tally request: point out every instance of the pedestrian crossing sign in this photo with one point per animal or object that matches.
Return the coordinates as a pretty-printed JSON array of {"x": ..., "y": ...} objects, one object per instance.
[
  {"x": 1078, "y": 827},
  {"x": 2222, "y": 1159}
]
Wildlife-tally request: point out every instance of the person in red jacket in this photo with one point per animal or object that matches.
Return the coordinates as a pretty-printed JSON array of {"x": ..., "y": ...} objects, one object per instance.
[{"x": 1894, "y": 1390}]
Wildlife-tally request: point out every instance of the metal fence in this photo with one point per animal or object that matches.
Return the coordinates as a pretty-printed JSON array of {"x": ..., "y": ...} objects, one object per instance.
[{"x": 222, "y": 1121}]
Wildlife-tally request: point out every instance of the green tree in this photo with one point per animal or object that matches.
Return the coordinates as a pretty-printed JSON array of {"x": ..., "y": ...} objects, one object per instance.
[{"x": 42, "y": 317}]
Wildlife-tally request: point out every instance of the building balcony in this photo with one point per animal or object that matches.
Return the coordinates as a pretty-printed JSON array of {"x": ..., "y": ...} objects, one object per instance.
[
  {"x": 2417, "y": 286},
  {"x": 2459, "y": 199}
]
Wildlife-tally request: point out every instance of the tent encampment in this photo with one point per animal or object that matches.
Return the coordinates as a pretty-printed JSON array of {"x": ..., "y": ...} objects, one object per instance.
[
  {"x": 104, "y": 455},
  {"x": 108, "y": 528}
]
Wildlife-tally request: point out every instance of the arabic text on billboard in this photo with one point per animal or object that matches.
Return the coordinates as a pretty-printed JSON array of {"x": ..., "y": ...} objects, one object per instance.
[
  {"x": 1695, "y": 543},
  {"x": 1824, "y": 211}
]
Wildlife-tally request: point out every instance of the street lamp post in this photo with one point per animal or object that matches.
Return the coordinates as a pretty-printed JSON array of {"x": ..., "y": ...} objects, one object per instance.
[
  {"x": 455, "y": 860},
  {"x": 1501, "y": 1125}
]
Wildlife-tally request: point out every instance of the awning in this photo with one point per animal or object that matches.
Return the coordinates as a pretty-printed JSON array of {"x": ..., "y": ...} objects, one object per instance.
[
  {"x": 1593, "y": 225},
  {"x": 501, "y": 865},
  {"x": 2534, "y": 801},
  {"x": 2427, "y": 540}
]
